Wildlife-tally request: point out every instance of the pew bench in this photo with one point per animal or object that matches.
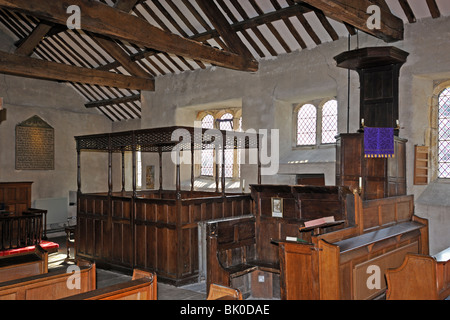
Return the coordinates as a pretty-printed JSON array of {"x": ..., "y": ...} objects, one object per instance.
[
  {"x": 50, "y": 286},
  {"x": 231, "y": 251},
  {"x": 350, "y": 263},
  {"x": 142, "y": 286},
  {"x": 23, "y": 265},
  {"x": 219, "y": 292},
  {"x": 420, "y": 277}
]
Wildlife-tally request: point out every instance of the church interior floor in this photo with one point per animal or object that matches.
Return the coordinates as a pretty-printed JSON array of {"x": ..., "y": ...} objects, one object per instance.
[{"x": 196, "y": 291}]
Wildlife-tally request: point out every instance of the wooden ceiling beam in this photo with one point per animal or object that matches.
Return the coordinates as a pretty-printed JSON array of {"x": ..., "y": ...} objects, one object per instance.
[
  {"x": 354, "y": 12},
  {"x": 108, "y": 102},
  {"x": 434, "y": 10},
  {"x": 103, "y": 19},
  {"x": 23, "y": 66},
  {"x": 220, "y": 23},
  {"x": 408, "y": 11},
  {"x": 126, "y": 5},
  {"x": 27, "y": 46}
]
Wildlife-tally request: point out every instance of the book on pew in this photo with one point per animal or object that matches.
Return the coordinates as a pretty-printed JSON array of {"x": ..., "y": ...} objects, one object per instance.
[
  {"x": 295, "y": 239},
  {"x": 317, "y": 222}
]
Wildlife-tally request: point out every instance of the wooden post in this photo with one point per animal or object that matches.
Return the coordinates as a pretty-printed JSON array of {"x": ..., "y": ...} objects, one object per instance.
[
  {"x": 133, "y": 157},
  {"x": 160, "y": 170},
  {"x": 123, "y": 171},
  {"x": 259, "y": 164},
  {"x": 178, "y": 179},
  {"x": 223, "y": 168},
  {"x": 78, "y": 171},
  {"x": 109, "y": 168},
  {"x": 217, "y": 169},
  {"x": 192, "y": 167}
]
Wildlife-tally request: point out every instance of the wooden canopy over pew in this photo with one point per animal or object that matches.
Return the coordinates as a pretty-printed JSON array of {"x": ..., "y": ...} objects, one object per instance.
[
  {"x": 155, "y": 230},
  {"x": 337, "y": 265}
]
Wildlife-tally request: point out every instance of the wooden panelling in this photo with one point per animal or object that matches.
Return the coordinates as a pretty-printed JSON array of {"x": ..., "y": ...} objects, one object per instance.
[
  {"x": 380, "y": 177},
  {"x": 16, "y": 195},
  {"x": 154, "y": 232}
]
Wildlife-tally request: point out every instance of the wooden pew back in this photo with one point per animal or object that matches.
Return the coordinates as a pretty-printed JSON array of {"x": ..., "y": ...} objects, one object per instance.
[
  {"x": 23, "y": 265},
  {"x": 349, "y": 256},
  {"x": 219, "y": 292},
  {"x": 230, "y": 242},
  {"x": 50, "y": 286},
  {"x": 143, "y": 286},
  {"x": 420, "y": 277}
]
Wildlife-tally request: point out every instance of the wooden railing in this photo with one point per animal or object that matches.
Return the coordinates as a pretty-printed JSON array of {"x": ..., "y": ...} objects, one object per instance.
[{"x": 20, "y": 230}]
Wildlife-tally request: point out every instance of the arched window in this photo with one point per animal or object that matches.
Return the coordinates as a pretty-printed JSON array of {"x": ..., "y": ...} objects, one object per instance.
[
  {"x": 223, "y": 119},
  {"x": 306, "y": 125},
  {"x": 226, "y": 123},
  {"x": 444, "y": 134},
  {"x": 207, "y": 166},
  {"x": 329, "y": 121}
]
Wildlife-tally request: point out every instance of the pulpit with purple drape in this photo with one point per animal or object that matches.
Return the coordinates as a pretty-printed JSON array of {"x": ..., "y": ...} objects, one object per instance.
[{"x": 378, "y": 142}]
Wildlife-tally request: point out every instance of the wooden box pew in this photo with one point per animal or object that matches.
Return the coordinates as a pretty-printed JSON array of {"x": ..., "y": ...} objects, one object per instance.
[
  {"x": 350, "y": 263},
  {"x": 50, "y": 286},
  {"x": 249, "y": 245},
  {"x": 219, "y": 292},
  {"x": 23, "y": 264},
  {"x": 142, "y": 286},
  {"x": 231, "y": 251},
  {"x": 420, "y": 277}
]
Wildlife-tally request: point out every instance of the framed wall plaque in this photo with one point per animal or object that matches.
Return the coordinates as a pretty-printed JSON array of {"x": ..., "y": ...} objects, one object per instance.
[
  {"x": 277, "y": 207},
  {"x": 35, "y": 145}
]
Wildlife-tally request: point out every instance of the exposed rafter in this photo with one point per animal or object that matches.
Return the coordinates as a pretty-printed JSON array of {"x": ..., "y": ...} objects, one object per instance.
[
  {"x": 103, "y": 103},
  {"x": 264, "y": 29},
  {"x": 40, "y": 69},
  {"x": 103, "y": 19},
  {"x": 354, "y": 12}
]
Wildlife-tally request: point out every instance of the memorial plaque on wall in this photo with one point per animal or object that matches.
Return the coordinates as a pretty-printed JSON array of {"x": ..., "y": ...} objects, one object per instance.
[{"x": 35, "y": 145}]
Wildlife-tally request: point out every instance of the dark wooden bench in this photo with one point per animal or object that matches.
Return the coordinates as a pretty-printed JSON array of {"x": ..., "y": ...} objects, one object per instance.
[
  {"x": 231, "y": 251},
  {"x": 23, "y": 264}
]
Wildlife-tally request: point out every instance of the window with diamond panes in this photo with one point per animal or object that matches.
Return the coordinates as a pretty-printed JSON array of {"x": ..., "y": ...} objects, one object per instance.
[
  {"x": 444, "y": 134},
  {"x": 207, "y": 167},
  {"x": 329, "y": 122},
  {"x": 306, "y": 125},
  {"x": 226, "y": 123}
]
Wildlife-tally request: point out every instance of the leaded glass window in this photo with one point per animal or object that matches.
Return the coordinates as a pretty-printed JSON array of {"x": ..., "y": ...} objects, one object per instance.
[
  {"x": 226, "y": 123},
  {"x": 444, "y": 134},
  {"x": 207, "y": 167},
  {"x": 306, "y": 125},
  {"x": 329, "y": 122}
]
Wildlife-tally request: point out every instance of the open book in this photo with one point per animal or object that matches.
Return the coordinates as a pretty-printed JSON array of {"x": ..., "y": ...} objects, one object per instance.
[{"x": 319, "y": 221}]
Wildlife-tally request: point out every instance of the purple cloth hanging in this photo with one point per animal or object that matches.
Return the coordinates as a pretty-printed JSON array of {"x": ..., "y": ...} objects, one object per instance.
[{"x": 378, "y": 142}]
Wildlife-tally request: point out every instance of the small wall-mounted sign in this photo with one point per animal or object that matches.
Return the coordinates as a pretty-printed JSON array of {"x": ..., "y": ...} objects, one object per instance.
[{"x": 277, "y": 207}]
